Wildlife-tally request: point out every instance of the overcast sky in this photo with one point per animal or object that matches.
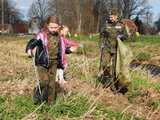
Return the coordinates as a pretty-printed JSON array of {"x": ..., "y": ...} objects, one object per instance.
[
  {"x": 25, "y": 4},
  {"x": 155, "y": 7}
]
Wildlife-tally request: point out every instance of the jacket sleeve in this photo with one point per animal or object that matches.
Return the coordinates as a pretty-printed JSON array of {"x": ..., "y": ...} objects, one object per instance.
[
  {"x": 70, "y": 42},
  {"x": 35, "y": 43},
  {"x": 68, "y": 50},
  {"x": 29, "y": 44},
  {"x": 37, "y": 40}
]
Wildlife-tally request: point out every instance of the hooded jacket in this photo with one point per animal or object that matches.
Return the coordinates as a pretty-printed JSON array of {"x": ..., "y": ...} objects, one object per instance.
[{"x": 42, "y": 57}]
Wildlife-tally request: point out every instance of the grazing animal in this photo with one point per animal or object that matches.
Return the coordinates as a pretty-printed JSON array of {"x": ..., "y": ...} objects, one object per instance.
[{"x": 131, "y": 28}]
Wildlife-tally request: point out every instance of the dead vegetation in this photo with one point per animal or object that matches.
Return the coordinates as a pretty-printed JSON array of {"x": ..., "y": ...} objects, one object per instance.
[{"x": 17, "y": 79}]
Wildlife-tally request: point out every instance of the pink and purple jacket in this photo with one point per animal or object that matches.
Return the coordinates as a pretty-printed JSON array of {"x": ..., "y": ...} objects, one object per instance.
[
  {"x": 44, "y": 38},
  {"x": 64, "y": 43}
]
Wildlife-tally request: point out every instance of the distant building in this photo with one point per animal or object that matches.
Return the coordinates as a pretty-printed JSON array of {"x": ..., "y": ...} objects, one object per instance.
[
  {"x": 34, "y": 26},
  {"x": 6, "y": 28},
  {"x": 20, "y": 27}
]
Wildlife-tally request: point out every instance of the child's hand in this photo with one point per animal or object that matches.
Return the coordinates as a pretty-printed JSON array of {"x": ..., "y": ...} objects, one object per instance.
[
  {"x": 29, "y": 52},
  {"x": 81, "y": 45},
  {"x": 73, "y": 49}
]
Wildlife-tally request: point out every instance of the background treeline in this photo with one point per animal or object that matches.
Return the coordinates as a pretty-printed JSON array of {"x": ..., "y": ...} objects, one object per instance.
[{"x": 86, "y": 16}]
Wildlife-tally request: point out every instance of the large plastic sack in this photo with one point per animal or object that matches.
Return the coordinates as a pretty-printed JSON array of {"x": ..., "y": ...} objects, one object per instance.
[{"x": 124, "y": 58}]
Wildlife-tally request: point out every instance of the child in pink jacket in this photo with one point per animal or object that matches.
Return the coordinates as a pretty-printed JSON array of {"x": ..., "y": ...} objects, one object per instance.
[{"x": 62, "y": 61}]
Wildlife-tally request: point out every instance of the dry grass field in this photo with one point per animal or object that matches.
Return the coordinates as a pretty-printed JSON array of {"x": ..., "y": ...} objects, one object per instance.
[{"x": 85, "y": 99}]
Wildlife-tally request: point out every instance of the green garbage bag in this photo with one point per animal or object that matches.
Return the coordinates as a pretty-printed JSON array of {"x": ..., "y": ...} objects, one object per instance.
[{"x": 124, "y": 58}]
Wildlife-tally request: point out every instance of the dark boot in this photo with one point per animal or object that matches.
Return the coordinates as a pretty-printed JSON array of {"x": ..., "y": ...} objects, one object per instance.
[
  {"x": 37, "y": 98},
  {"x": 117, "y": 87},
  {"x": 45, "y": 94},
  {"x": 105, "y": 80}
]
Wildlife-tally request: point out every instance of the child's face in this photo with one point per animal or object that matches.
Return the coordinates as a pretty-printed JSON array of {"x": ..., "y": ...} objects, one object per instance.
[
  {"x": 64, "y": 31},
  {"x": 53, "y": 27},
  {"x": 113, "y": 18}
]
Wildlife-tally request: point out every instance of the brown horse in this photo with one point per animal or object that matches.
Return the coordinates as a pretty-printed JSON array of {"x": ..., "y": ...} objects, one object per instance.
[
  {"x": 132, "y": 28},
  {"x": 131, "y": 25}
]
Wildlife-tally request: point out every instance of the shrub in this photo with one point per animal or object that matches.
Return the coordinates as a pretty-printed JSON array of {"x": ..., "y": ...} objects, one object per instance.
[{"x": 143, "y": 56}]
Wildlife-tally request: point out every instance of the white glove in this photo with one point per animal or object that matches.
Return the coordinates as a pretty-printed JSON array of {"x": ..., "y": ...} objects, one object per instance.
[{"x": 81, "y": 46}]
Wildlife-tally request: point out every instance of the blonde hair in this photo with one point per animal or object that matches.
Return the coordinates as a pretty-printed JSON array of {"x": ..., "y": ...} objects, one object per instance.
[
  {"x": 63, "y": 27},
  {"x": 64, "y": 30}
]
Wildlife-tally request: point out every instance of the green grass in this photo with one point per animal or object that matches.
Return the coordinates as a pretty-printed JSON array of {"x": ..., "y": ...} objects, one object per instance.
[
  {"x": 150, "y": 39},
  {"x": 146, "y": 40},
  {"x": 154, "y": 104},
  {"x": 100, "y": 110},
  {"x": 143, "y": 56},
  {"x": 141, "y": 81},
  {"x": 148, "y": 44},
  {"x": 73, "y": 106},
  {"x": 82, "y": 37},
  {"x": 13, "y": 108},
  {"x": 142, "y": 40},
  {"x": 135, "y": 88}
]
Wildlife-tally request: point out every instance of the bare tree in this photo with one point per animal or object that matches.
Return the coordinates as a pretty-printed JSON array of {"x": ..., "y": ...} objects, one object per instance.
[
  {"x": 88, "y": 20},
  {"x": 148, "y": 17},
  {"x": 40, "y": 9},
  {"x": 52, "y": 7},
  {"x": 157, "y": 24},
  {"x": 86, "y": 15},
  {"x": 101, "y": 11},
  {"x": 10, "y": 13},
  {"x": 130, "y": 8},
  {"x": 126, "y": 9},
  {"x": 67, "y": 13}
]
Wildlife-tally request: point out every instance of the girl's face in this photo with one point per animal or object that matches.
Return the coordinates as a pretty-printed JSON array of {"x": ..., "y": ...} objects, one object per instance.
[
  {"x": 53, "y": 27},
  {"x": 64, "y": 31}
]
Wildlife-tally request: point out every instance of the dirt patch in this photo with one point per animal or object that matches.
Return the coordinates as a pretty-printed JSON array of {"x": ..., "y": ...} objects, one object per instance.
[
  {"x": 16, "y": 88},
  {"x": 16, "y": 66},
  {"x": 119, "y": 102},
  {"x": 155, "y": 60}
]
